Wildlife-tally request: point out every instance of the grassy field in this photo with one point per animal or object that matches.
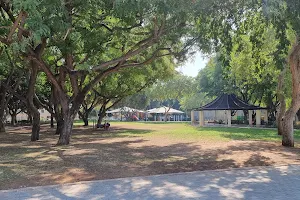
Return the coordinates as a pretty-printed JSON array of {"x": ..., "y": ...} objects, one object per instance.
[
  {"x": 185, "y": 131},
  {"x": 135, "y": 149}
]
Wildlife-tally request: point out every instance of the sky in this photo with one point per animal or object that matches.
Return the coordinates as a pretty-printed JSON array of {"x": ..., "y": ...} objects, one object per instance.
[{"x": 193, "y": 65}]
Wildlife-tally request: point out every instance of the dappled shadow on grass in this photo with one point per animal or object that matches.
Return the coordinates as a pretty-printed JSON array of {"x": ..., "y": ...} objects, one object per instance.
[
  {"x": 96, "y": 154},
  {"x": 95, "y": 135}
]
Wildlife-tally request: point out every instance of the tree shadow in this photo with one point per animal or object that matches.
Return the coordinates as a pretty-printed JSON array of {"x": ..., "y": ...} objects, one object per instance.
[
  {"x": 260, "y": 183},
  {"x": 125, "y": 153}
]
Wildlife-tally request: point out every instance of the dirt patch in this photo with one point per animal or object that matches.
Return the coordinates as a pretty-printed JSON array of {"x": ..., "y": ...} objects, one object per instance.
[{"x": 95, "y": 154}]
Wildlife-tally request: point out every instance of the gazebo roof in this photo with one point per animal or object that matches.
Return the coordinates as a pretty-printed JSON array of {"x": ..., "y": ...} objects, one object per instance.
[{"x": 229, "y": 102}]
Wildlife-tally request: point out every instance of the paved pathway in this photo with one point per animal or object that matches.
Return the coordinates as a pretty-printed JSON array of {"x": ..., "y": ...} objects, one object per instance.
[{"x": 248, "y": 183}]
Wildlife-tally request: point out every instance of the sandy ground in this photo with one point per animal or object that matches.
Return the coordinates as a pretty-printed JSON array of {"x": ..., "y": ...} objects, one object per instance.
[{"x": 96, "y": 155}]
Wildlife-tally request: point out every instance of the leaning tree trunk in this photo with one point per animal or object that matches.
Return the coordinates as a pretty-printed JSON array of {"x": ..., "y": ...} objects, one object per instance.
[
  {"x": 288, "y": 129},
  {"x": 101, "y": 116},
  {"x": 35, "y": 135},
  {"x": 282, "y": 103}
]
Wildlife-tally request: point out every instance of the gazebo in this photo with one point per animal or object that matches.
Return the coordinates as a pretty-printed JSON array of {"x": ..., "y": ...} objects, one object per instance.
[
  {"x": 228, "y": 102},
  {"x": 177, "y": 114}
]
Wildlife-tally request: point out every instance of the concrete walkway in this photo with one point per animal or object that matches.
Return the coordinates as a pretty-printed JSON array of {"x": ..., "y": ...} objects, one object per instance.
[{"x": 249, "y": 183}]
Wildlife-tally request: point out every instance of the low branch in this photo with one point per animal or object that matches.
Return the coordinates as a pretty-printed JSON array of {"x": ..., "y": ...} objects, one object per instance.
[
  {"x": 15, "y": 26},
  {"x": 149, "y": 60},
  {"x": 143, "y": 45}
]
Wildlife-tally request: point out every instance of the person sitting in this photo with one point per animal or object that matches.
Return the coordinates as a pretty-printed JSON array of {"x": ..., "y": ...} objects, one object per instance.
[{"x": 105, "y": 126}]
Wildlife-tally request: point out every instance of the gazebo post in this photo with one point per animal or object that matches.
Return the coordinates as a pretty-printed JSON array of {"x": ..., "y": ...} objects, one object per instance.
[
  {"x": 229, "y": 118},
  {"x": 250, "y": 117},
  {"x": 258, "y": 118},
  {"x": 201, "y": 118},
  {"x": 192, "y": 118}
]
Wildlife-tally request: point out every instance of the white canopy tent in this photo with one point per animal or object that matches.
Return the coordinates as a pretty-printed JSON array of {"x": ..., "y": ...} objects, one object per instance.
[
  {"x": 164, "y": 109},
  {"x": 125, "y": 113},
  {"x": 124, "y": 109},
  {"x": 158, "y": 112}
]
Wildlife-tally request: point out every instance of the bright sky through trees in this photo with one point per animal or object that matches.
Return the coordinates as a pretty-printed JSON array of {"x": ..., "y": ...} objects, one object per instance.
[{"x": 193, "y": 65}]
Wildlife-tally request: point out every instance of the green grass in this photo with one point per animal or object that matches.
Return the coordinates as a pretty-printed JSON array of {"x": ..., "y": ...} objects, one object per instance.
[
  {"x": 224, "y": 133},
  {"x": 185, "y": 131},
  {"x": 244, "y": 133}
]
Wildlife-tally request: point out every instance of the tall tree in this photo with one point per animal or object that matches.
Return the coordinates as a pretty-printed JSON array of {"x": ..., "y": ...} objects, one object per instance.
[
  {"x": 133, "y": 34},
  {"x": 10, "y": 80},
  {"x": 284, "y": 16}
]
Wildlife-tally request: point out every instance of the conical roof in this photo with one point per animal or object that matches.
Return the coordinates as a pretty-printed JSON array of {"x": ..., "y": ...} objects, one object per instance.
[{"x": 229, "y": 102}]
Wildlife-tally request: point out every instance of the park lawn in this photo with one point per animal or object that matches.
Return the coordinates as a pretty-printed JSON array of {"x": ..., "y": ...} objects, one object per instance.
[
  {"x": 135, "y": 149},
  {"x": 183, "y": 130}
]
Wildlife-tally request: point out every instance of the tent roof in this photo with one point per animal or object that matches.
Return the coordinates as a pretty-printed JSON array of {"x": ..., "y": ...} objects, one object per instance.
[
  {"x": 124, "y": 109},
  {"x": 229, "y": 102},
  {"x": 164, "y": 109}
]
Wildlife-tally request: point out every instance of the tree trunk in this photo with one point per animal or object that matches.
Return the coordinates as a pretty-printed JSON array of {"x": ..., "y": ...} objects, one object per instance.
[
  {"x": 35, "y": 135},
  {"x": 2, "y": 126},
  {"x": 13, "y": 119},
  {"x": 31, "y": 107},
  {"x": 59, "y": 126},
  {"x": 280, "y": 127},
  {"x": 65, "y": 135},
  {"x": 52, "y": 121},
  {"x": 298, "y": 115},
  {"x": 2, "y": 110},
  {"x": 282, "y": 103},
  {"x": 294, "y": 63},
  {"x": 100, "y": 119},
  {"x": 101, "y": 115},
  {"x": 29, "y": 118},
  {"x": 85, "y": 120},
  {"x": 85, "y": 116},
  {"x": 288, "y": 130}
]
